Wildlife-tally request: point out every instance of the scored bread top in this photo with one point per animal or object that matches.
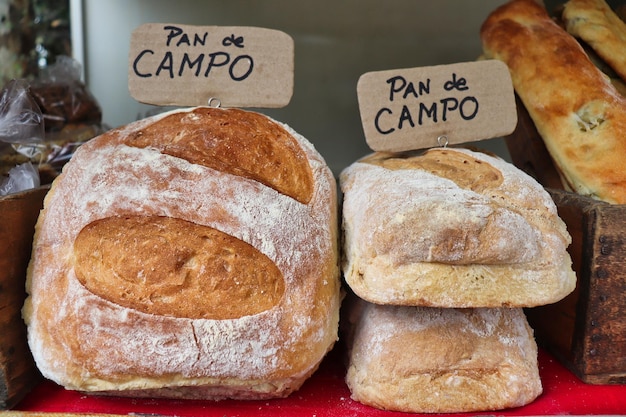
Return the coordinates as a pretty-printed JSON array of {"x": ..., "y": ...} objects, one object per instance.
[
  {"x": 450, "y": 165},
  {"x": 129, "y": 233},
  {"x": 223, "y": 139},
  {"x": 451, "y": 228},
  {"x": 479, "y": 217},
  {"x": 165, "y": 260}
]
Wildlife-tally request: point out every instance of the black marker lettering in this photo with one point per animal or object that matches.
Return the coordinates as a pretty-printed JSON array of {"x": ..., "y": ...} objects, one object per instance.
[
  {"x": 431, "y": 113},
  {"x": 377, "y": 121},
  {"x": 166, "y": 64},
  {"x": 246, "y": 73},
  {"x": 136, "y": 63},
  {"x": 410, "y": 89},
  {"x": 174, "y": 32},
  {"x": 424, "y": 88},
  {"x": 214, "y": 63},
  {"x": 184, "y": 40},
  {"x": 446, "y": 107},
  {"x": 468, "y": 116},
  {"x": 460, "y": 84},
  {"x": 404, "y": 117},
  {"x": 197, "y": 40},
  {"x": 186, "y": 61},
  {"x": 393, "y": 82}
]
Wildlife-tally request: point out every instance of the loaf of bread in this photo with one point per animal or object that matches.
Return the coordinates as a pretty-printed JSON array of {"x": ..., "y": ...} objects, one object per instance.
[
  {"x": 577, "y": 111},
  {"x": 595, "y": 23},
  {"x": 451, "y": 227},
  {"x": 439, "y": 360},
  {"x": 193, "y": 254}
]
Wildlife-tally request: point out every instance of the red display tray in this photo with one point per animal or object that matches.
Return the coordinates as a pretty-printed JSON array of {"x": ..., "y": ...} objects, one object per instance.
[{"x": 325, "y": 394}]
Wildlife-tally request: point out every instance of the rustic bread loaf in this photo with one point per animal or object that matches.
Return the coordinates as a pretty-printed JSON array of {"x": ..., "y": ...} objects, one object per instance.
[
  {"x": 193, "y": 254},
  {"x": 600, "y": 27},
  {"x": 577, "y": 111},
  {"x": 438, "y": 360},
  {"x": 451, "y": 228}
]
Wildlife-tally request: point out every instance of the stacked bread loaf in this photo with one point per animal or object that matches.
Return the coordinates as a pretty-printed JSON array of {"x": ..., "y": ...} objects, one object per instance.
[
  {"x": 442, "y": 249},
  {"x": 193, "y": 254}
]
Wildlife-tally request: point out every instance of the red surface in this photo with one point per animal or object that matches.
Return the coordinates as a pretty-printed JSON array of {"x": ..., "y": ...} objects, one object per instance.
[{"x": 326, "y": 395}]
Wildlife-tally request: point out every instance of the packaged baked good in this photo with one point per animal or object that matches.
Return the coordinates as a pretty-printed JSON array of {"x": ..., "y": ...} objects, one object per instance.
[
  {"x": 21, "y": 137},
  {"x": 68, "y": 115}
]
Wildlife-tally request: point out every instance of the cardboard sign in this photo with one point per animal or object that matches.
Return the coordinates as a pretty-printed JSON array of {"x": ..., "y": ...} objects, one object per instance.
[
  {"x": 187, "y": 65},
  {"x": 417, "y": 108}
]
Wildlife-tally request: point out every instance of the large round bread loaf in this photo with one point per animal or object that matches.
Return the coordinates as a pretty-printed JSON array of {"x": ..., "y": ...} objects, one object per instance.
[
  {"x": 193, "y": 254},
  {"x": 451, "y": 228}
]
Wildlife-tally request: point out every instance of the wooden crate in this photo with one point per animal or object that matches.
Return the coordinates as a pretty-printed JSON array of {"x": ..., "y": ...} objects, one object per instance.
[
  {"x": 586, "y": 331},
  {"x": 18, "y": 214}
]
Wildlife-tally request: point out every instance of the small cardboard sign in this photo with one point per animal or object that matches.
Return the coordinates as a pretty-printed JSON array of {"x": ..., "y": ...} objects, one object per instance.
[
  {"x": 417, "y": 108},
  {"x": 184, "y": 65}
]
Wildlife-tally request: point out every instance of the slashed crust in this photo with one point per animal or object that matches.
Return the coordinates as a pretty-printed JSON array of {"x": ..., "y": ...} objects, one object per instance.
[
  {"x": 451, "y": 228},
  {"x": 93, "y": 337}
]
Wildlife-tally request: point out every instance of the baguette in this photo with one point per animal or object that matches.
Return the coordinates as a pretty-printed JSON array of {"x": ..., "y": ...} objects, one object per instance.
[
  {"x": 594, "y": 22},
  {"x": 577, "y": 111}
]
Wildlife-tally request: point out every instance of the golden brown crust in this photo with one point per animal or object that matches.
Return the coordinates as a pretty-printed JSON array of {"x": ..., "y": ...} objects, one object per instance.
[
  {"x": 598, "y": 25},
  {"x": 451, "y": 228},
  {"x": 579, "y": 114},
  {"x": 223, "y": 139},
  {"x": 97, "y": 344},
  {"x": 172, "y": 267},
  {"x": 450, "y": 165},
  {"x": 459, "y": 360}
]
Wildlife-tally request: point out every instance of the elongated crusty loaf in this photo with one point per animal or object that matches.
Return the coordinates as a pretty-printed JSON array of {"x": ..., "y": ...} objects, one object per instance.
[
  {"x": 451, "y": 228},
  {"x": 438, "y": 360},
  {"x": 192, "y": 254},
  {"x": 600, "y": 27},
  {"x": 577, "y": 111}
]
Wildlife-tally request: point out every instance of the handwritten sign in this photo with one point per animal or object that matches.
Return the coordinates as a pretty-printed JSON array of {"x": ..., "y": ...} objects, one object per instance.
[
  {"x": 188, "y": 65},
  {"x": 418, "y": 108}
]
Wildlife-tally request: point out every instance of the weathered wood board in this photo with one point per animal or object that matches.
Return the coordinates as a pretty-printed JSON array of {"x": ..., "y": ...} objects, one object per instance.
[
  {"x": 587, "y": 329},
  {"x": 18, "y": 215}
]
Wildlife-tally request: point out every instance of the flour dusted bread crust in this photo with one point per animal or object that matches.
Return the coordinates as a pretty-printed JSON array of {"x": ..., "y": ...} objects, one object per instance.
[
  {"x": 193, "y": 254},
  {"x": 437, "y": 360},
  {"x": 442, "y": 249},
  {"x": 577, "y": 111},
  {"x": 451, "y": 228}
]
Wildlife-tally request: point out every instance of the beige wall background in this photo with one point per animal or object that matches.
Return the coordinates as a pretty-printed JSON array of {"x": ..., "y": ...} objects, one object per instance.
[{"x": 335, "y": 42}]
